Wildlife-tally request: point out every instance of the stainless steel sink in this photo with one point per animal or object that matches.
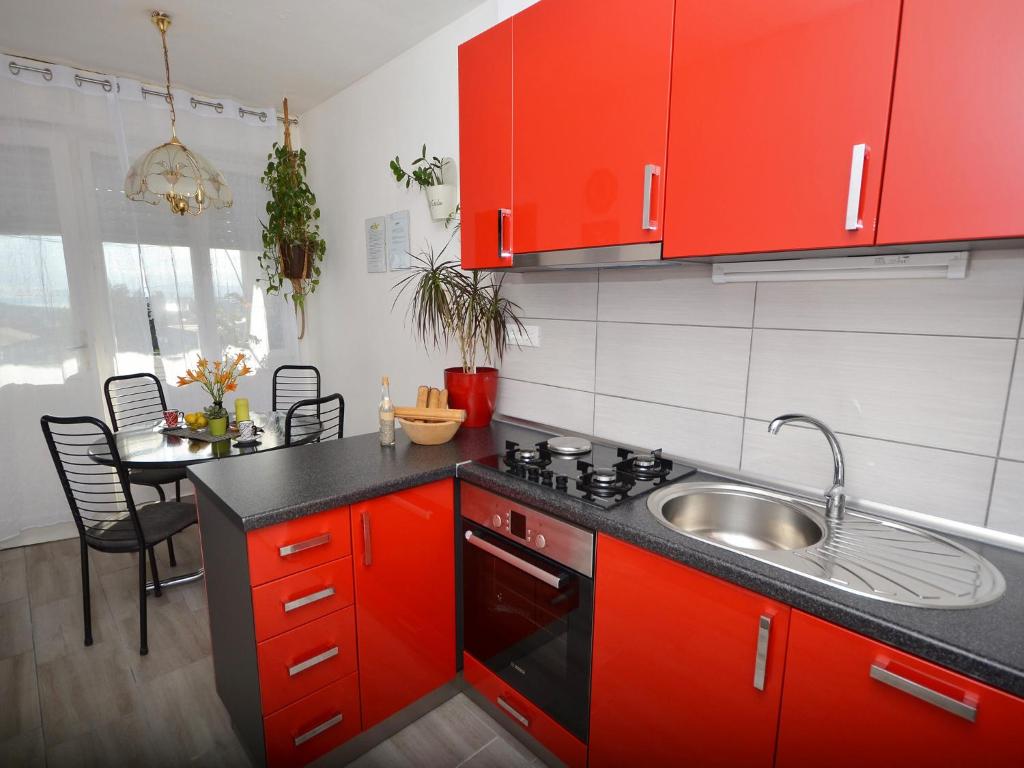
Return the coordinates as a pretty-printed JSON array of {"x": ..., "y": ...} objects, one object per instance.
[
  {"x": 869, "y": 556},
  {"x": 738, "y": 516}
]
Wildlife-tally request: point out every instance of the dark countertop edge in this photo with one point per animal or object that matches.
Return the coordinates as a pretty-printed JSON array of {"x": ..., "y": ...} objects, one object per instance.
[
  {"x": 778, "y": 585},
  {"x": 276, "y": 515}
]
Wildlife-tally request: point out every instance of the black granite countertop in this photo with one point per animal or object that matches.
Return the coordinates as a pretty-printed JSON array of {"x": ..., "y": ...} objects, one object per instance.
[{"x": 986, "y": 643}]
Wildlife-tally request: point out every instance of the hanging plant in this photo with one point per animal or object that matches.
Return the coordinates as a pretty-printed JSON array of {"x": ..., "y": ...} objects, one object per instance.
[
  {"x": 293, "y": 249},
  {"x": 428, "y": 174}
]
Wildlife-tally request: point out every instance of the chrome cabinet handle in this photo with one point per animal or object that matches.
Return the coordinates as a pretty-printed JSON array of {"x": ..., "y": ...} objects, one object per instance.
[
  {"x": 551, "y": 579},
  {"x": 518, "y": 716},
  {"x": 325, "y": 725},
  {"x": 367, "y": 540},
  {"x": 954, "y": 706},
  {"x": 305, "y": 600},
  {"x": 302, "y": 546},
  {"x": 853, "y": 220},
  {"x": 650, "y": 171},
  {"x": 764, "y": 633},
  {"x": 504, "y": 252},
  {"x": 311, "y": 662}
]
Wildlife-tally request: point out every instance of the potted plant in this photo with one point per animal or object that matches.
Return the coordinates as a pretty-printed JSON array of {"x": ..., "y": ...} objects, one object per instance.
[
  {"x": 448, "y": 304},
  {"x": 292, "y": 246},
  {"x": 428, "y": 173},
  {"x": 218, "y": 379}
]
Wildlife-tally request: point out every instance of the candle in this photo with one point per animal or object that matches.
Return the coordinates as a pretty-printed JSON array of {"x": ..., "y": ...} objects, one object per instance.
[{"x": 241, "y": 409}]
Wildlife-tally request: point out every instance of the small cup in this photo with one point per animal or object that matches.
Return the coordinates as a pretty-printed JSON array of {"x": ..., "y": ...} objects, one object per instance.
[
  {"x": 173, "y": 419},
  {"x": 246, "y": 431}
]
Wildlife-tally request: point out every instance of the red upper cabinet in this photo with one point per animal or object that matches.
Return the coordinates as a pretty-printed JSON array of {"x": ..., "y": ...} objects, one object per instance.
[
  {"x": 687, "y": 668},
  {"x": 955, "y": 164},
  {"x": 772, "y": 104},
  {"x": 485, "y": 147},
  {"x": 591, "y": 88},
  {"x": 404, "y": 561},
  {"x": 851, "y": 701}
]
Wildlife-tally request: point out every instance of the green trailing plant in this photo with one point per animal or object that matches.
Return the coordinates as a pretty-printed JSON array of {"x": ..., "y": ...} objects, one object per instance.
[
  {"x": 424, "y": 171},
  {"x": 293, "y": 249},
  {"x": 448, "y": 304}
]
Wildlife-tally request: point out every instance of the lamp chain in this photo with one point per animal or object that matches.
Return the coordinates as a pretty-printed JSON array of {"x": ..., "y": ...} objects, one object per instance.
[{"x": 167, "y": 74}]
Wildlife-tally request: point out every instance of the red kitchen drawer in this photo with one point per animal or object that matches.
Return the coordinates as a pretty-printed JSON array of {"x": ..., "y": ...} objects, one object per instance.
[
  {"x": 299, "y": 662},
  {"x": 287, "y": 548},
  {"x": 287, "y": 603},
  {"x": 522, "y": 713},
  {"x": 315, "y": 725}
]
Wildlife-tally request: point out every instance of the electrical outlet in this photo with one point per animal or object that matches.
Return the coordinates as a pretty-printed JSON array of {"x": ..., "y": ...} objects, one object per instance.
[{"x": 528, "y": 336}]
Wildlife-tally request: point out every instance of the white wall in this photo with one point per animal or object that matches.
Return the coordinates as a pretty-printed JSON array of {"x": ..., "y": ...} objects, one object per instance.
[{"x": 353, "y": 336}]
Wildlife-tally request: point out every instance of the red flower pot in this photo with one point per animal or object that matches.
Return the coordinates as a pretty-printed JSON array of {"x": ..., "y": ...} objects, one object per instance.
[{"x": 476, "y": 393}]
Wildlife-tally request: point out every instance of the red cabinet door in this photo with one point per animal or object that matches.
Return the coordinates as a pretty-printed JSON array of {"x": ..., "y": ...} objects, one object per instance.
[
  {"x": 955, "y": 165},
  {"x": 485, "y": 147},
  {"x": 404, "y": 558},
  {"x": 769, "y": 101},
  {"x": 676, "y": 677},
  {"x": 591, "y": 87},
  {"x": 851, "y": 701}
]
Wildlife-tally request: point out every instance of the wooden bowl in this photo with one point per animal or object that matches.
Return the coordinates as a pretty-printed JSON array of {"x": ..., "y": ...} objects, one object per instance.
[{"x": 430, "y": 432}]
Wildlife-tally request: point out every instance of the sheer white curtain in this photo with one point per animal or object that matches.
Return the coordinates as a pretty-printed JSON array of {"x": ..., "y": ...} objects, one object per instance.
[{"x": 93, "y": 285}]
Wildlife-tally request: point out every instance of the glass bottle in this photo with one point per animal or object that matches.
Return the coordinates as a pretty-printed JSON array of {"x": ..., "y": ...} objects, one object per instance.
[{"x": 387, "y": 413}]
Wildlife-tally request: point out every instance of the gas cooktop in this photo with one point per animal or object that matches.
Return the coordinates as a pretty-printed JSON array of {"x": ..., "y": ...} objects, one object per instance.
[{"x": 602, "y": 475}]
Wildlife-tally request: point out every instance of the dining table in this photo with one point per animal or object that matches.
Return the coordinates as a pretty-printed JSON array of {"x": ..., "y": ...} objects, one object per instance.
[{"x": 155, "y": 446}]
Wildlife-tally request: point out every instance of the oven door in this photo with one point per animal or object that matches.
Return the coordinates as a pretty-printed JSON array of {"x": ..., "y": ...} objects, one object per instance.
[{"x": 530, "y": 621}]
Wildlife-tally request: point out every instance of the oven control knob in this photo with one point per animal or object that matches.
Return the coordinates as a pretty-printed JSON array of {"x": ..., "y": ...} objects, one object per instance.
[
  {"x": 496, "y": 521},
  {"x": 540, "y": 541}
]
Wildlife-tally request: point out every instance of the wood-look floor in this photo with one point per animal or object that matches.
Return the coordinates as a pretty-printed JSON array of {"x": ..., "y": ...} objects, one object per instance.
[{"x": 62, "y": 704}]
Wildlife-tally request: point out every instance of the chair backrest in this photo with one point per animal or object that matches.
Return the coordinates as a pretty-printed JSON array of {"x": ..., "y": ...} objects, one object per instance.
[
  {"x": 133, "y": 399},
  {"x": 293, "y": 383},
  {"x": 315, "y": 420},
  {"x": 95, "y": 481}
]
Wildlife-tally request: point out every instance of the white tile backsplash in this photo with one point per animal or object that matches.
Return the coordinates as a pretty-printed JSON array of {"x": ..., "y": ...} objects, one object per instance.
[
  {"x": 684, "y": 365},
  {"x": 567, "y": 295},
  {"x": 567, "y": 408},
  {"x": 953, "y": 485},
  {"x": 564, "y": 358},
  {"x": 1006, "y": 512},
  {"x": 913, "y": 374},
  {"x": 681, "y": 294},
  {"x": 940, "y": 391},
  {"x": 712, "y": 437},
  {"x": 985, "y": 303}
]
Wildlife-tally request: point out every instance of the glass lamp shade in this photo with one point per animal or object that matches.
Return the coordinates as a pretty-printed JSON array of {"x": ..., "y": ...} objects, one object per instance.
[{"x": 186, "y": 180}]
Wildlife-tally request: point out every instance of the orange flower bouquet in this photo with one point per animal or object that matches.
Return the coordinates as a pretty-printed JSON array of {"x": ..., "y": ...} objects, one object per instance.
[{"x": 218, "y": 379}]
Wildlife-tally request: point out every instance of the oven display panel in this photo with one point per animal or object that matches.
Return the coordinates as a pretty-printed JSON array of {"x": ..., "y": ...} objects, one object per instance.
[{"x": 517, "y": 524}]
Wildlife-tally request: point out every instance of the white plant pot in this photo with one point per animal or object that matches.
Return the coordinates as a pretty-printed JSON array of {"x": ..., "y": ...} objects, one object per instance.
[{"x": 441, "y": 199}]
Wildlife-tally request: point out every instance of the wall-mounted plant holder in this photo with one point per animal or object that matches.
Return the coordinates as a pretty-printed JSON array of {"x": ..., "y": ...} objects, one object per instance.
[{"x": 429, "y": 174}]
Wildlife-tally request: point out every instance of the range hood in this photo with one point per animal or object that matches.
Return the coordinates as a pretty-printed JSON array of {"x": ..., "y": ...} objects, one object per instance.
[{"x": 638, "y": 254}]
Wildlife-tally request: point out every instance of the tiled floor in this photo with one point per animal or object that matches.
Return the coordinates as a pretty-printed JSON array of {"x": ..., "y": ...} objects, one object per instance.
[{"x": 64, "y": 704}]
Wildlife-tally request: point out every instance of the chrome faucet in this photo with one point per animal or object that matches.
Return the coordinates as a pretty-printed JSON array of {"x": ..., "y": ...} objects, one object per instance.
[{"x": 835, "y": 497}]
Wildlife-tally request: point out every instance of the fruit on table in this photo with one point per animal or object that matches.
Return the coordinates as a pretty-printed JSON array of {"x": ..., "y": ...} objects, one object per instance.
[{"x": 196, "y": 420}]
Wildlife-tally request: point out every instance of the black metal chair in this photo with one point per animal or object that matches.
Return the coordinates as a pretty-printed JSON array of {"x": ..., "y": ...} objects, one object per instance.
[
  {"x": 293, "y": 383},
  {"x": 136, "y": 399},
  {"x": 315, "y": 420},
  {"x": 98, "y": 491}
]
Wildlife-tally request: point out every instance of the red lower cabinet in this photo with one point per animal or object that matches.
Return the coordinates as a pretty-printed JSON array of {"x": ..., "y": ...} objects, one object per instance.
[
  {"x": 687, "y": 668},
  {"x": 404, "y": 559},
  {"x": 313, "y": 726},
  {"x": 852, "y": 701},
  {"x": 523, "y": 714}
]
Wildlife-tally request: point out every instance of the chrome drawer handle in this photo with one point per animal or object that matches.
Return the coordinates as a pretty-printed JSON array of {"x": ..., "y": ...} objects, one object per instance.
[
  {"x": 764, "y": 633},
  {"x": 315, "y": 597},
  {"x": 320, "y": 658},
  {"x": 650, "y": 171},
  {"x": 853, "y": 220},
  {"x": 312, "y": 733},
  {"x": 522, "y": 719},
  {"x": 302, "y": 546},
  {"x": 954, "y": 706},
  {"x": 504, "y": 252}
]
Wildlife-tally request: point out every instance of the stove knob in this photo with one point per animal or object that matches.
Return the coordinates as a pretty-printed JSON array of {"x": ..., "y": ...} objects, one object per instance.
[
  {"x": 540, "y": 541},
  {"x": 562, "y": 482},
  {"x": 546, "y": 476},
  {"x": 534, "y": 474},
  {"x": 496, "y": 521}
]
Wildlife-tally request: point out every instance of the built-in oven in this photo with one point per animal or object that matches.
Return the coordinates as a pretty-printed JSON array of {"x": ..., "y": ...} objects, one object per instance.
[{"x": 528, "y": 602}]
